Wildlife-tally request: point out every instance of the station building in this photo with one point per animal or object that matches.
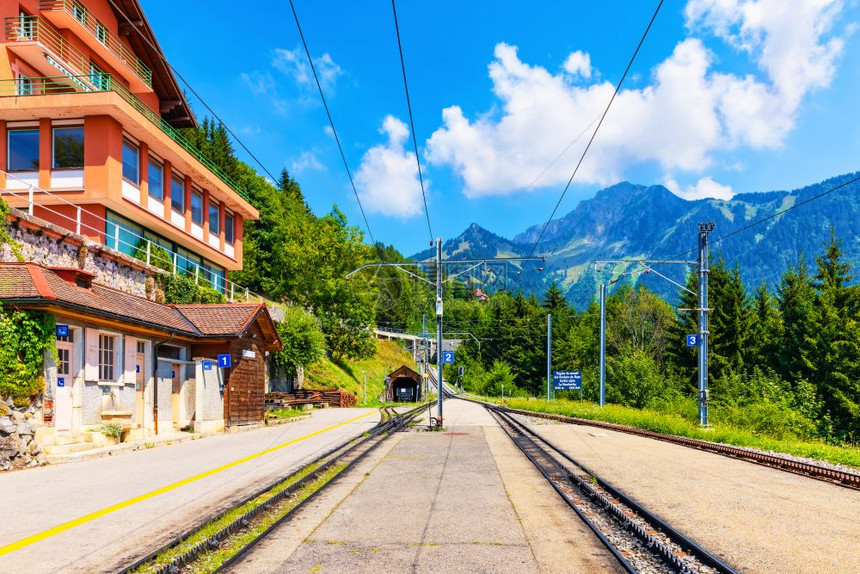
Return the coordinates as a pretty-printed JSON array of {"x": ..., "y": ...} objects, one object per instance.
[{"x": 100, "y": 178}]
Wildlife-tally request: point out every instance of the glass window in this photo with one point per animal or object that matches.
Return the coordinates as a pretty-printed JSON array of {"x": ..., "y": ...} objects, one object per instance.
[
  {"x": 187, "y": 262},
  {"x": 79, "y": 12},
  {"x": 99, "y": 78},
  {"x": 130, "y": 161},
  {"x": 156, "y": 179},
  {"x": 69, "y": 147},
  {"x": 229, "y": 233},
  {"x": 70, "y": 338},
  {"x": 101, "y": 33},
  {"x": 23, "y": 150},
  {"x": 177, "y": 193},
  {"x": 107, "y": 357},
  {"x": 214, "y": 218},
  {"x": 24, "y": 86},
  {"x": 216, "y": 276},
  {"x": 141, "y": 347},
  {"x": 25, "y": 25},
  {"x": 197, "y": 207},
  {"x": 124, "y": 236}
]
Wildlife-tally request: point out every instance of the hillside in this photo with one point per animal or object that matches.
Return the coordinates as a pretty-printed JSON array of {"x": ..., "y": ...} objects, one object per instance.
[{"x": 628, "y": 220}]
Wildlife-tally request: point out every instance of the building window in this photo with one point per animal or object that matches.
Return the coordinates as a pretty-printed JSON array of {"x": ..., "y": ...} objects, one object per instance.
[
  {"x": 229, "y": 232},
  {"x": 79, "y": 12},
  {"x": 141, "y": 347},
  {"x": 197, "y": 207},
  {"x": 24, "y": 86},
  {"x": 124, "y": 236},
  {"x": 70, "y": 338},
  {"x": 23, "y": 150},
  {"x": 177, "y": 194},
  {"x": 101, "y": 33},
  {"x": 99, "y": 78},
  {"x": 130, "y": 161},
  {"x": 214, "y": 218},
  {"x": 64, "y": 361},
  {"x": 25, "y": 26},
  {"x": 107, "y": 357},
  {"x": 156, "y": 179},
  {"x": 69, "y": 147}
]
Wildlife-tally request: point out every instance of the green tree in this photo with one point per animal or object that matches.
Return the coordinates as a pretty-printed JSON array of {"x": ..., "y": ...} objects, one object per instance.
[
  {"x": 303, "y": 340},
  {"x": 796, "y": 296}
]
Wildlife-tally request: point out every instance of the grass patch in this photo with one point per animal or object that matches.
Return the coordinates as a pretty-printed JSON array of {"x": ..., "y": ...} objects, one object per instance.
[
  {"x": 280, "y": 413},
  {"x": 678, "y": 425},
  {"x": 210, "y": 561},
  {"x": 325, "y": 374}
]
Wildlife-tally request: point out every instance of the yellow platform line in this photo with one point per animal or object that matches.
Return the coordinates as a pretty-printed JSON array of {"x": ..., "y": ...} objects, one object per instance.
[{"x": 38, "y": 537}]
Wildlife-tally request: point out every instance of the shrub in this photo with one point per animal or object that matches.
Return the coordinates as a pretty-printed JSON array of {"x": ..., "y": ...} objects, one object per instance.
[{"x": 25, "y": 338}]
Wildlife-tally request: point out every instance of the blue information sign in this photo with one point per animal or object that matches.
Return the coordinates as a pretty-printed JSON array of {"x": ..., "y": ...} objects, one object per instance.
[
  {"x": 225, "y": 361},
  {"x": 448, "y": 357},
  {"x": 567, "y": 380},
  {"x": 692, "y": 340},
  {"x": 62, "y": 330},
  {"x": 207, "y": 365},
  {"x": 61, "y": 382}
]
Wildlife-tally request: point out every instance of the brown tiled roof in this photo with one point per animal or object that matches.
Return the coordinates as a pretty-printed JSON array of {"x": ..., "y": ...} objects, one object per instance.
[
  {"x": 30, "y": 281},
  {"x": 221, "y": 319}
]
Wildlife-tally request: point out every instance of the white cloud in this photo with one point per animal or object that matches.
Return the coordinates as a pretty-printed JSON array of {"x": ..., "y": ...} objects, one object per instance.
[
  {"x": 704, "y": 188},
  {"x": 578, "y": 64},
  {"x": 260, "y": 84},
  {"x": 387, "y": 179},
  {"x": 294, "y": 63},
  {"x": 307, "y": 160},
  {"x": 688, "y": 112}
]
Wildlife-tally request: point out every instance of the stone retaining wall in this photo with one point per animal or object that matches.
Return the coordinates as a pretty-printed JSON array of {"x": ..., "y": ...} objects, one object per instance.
[{"x": 18, "y": 447}]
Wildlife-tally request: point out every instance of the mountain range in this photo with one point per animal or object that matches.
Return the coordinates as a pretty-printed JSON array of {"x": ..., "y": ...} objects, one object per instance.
[{"x": 752, "y": 231}]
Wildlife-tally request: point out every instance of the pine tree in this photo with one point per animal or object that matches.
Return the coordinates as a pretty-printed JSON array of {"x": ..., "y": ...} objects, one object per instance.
[
  {"x": 796, "y": 296},
  {"x": 765, "y": 331},
  {"x": 729, "y": 322}
]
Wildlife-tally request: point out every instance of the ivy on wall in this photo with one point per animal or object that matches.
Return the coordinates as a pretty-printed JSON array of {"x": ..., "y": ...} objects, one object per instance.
[
  {"x": 25, "y": 338},
  {"x": 4, "y": 231}
]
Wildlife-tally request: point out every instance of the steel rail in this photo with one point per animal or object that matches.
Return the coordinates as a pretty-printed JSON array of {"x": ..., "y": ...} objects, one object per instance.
[
  {"x": 809, "y": 470},
  {"x": 389, "y": 423},
  {"x": 647, "y": 540}
]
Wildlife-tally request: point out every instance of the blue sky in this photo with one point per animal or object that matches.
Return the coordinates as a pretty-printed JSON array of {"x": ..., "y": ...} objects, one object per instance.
[{"x": 726, "y": 97}]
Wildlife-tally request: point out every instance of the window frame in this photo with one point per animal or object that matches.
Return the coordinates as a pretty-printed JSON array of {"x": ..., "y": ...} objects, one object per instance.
[
  {"x": 230, "y": 238},
  {"x": 9, "y": 133},
  {"x": 180, "y": 179},
  {"x": 79, "y": 12},
  {"x": 104, "y": 354},
  {"x": 197, "y": 194},
  {"x": 151, "y": 159},
  {"x": 128, "y": 144},
  {"x": 20, "y": 82},
  {"x": 54, "y": 130},
  {"x": 101, "y": 33},
  {"x": 217, "y": 207}
]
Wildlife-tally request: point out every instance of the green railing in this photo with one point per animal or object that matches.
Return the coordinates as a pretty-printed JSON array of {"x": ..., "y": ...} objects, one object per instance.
[
  {"x": 101, "y": 33},
  {"x": 105, "y": 83},
  {"x": 33, "y": 29}
]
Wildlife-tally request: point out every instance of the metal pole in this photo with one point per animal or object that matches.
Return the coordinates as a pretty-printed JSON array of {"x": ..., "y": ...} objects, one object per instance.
[
  {"x": 602, "y": 344},
  {"x": 704, "y": 229},
  {"x": 439, "y": 327},
  {"x": 548, "y": 356}
]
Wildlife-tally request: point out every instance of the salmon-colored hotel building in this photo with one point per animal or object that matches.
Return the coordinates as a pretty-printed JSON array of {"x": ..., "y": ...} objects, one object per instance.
[{"x": 90, "y": 114}]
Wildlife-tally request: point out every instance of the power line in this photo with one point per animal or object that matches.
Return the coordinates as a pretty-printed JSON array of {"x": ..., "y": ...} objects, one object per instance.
[
  {"x": 596, "y": 129},
  {"x": 411, "y": 122},
  {"x": 331, "y": 123}
]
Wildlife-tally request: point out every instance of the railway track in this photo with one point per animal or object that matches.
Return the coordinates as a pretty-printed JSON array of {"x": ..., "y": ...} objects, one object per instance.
[
  {"x": 225, "y": 538},
  {"x": 639, "y": 540},
  {"x": 833, "y": 476}
]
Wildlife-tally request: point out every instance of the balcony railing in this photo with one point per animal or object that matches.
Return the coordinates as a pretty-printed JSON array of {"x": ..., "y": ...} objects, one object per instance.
[
  {"x": 34, "y": 29},
  {"x": 106, "y": 83},
  {"x": 101, "y": 33}
]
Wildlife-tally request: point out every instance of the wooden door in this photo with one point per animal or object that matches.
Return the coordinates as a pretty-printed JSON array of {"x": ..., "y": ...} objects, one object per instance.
[{"x": 65, "y": 386}]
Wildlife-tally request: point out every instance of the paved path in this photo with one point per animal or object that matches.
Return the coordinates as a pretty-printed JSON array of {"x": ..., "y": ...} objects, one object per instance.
[
  {"x": 758, "y": 519},
  {"x": 461, "y": 501},
  {"x": 98, "y": 514}
]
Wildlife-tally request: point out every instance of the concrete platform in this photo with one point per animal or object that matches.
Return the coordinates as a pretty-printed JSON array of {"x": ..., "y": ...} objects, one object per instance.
[
  {"x": 98, "y": 515},
  {"x": 463, "y": 500}
]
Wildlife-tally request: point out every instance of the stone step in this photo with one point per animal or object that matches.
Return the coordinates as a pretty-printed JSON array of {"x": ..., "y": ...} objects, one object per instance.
[{"x": 69, "y": 448}]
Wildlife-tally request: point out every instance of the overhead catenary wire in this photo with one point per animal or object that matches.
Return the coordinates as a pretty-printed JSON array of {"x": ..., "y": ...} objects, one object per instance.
[
  {"x": 411, "y": 120},
  {"x": 596, "y": 129},
  {"x": 331, "y": 124},
  {"x": 238, "y": 140}
]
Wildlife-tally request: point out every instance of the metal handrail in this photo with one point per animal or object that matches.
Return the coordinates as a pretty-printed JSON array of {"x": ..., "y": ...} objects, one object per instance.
[
  {"x": 34, "y": 29},
  {"x": 101, "y": 33},
  {"x": 28, "y": 195},
  {"x": 104, "y": 82}
]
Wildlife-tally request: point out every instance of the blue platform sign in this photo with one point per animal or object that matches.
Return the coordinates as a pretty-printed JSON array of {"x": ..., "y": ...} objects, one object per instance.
[
  {"x": 692, "y": 340},
  {"x": 207, "y": 365},
  {"x": 225, "y": 361},
  {"x": 61, "y": 381},
  {"x": 448, "y": 357},
  {"x": 567, "y": 380},
  {"x": 62, "y": 330}
]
